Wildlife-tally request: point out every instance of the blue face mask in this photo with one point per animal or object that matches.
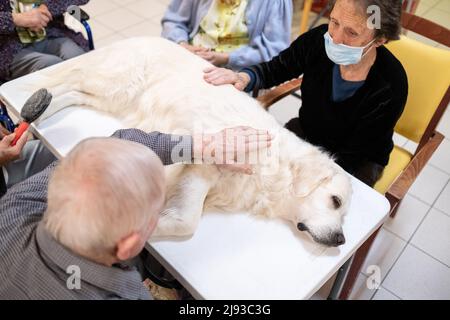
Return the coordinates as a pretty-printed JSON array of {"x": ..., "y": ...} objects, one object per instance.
[{"x": 342, "y": 54}]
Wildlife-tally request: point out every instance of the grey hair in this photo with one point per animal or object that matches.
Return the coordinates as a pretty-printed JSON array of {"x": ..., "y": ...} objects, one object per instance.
[
  {"x": 390, "y": 11},
  {"x": 104, "y": 190}
]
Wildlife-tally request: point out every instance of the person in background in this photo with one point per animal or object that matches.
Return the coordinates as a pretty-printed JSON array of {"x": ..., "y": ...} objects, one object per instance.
[
  {"x": 230, "y": 33},
  {"x": 33, "y": 36},
  {"x": 354, "y": 90}
]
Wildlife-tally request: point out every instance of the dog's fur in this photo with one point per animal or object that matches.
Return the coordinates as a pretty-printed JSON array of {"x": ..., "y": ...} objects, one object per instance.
[{"x": 155, "y": 85}]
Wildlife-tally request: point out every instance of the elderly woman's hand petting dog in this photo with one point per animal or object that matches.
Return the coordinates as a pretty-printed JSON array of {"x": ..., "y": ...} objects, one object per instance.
[
  {"x": 220, "y": 76},
  {"x": 216, "y": 58},
  {"x": 230, "y": 148},
  {"x": 193, "y": 49}
]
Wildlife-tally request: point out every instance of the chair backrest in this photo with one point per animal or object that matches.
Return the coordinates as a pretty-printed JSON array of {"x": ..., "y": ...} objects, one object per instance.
[{"x": 428, "y": 71}]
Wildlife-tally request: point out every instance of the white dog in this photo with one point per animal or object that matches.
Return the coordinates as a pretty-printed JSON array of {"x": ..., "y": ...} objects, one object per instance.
[{"x": 155, "y": 85}]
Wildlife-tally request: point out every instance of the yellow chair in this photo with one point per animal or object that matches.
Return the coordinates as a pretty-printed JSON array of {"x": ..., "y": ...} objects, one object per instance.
[{"x": 428, "y": 71}]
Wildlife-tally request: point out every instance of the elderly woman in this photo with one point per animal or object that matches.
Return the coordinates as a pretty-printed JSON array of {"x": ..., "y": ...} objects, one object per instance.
[
  {"x": 353, "y": 90},
  {"x": 33, "y": 36},
  {"x": 231, "y": 33}
]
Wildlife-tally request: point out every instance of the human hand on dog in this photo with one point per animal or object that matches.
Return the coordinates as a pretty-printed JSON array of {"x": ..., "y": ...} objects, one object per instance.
[
  {"x": 230, "y": 148},
  {"x": 220, "y": 76},
  {"x": 216, "y": 58},
  {"x": 193, "y": 49}
]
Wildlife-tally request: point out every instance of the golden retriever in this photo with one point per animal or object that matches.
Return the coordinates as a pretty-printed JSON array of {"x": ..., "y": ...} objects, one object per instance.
[{"x": 155, "y": 85}]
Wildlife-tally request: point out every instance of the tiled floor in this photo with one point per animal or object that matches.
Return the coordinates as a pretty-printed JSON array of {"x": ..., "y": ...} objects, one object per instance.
[{"x": 412, "y": 250}]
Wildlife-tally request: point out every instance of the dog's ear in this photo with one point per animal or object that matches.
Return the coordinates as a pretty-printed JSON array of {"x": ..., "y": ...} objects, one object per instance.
[{"x": 309, "y": 173}]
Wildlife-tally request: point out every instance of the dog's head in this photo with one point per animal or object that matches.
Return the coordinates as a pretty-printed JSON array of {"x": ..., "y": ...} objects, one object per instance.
[{"x": 321, "y": 193}]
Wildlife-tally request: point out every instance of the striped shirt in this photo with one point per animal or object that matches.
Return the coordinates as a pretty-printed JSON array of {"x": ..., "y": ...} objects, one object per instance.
[{"x": 33, "y": 265}]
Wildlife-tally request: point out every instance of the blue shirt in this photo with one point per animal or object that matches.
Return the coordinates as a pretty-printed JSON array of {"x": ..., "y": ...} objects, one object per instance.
[
  {"x": 343, "y": 89},
  {"x": 268, "y": 22}
]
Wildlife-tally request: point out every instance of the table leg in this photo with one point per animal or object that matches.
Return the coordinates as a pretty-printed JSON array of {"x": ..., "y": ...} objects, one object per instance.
[
  {"x": 340, "y": 279},
  {"x": 355, "y": 267}
]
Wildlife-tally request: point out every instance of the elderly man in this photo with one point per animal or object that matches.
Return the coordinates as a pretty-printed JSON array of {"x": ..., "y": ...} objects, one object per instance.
[{"x": 66, "y": 232}]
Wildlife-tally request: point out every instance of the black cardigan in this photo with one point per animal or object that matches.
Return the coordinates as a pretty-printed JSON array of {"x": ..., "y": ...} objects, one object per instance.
[{"x": 356, "y": 130}]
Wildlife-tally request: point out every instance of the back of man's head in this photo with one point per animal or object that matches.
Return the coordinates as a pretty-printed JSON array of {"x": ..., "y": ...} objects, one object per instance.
[{"x": 103, "y": 191}]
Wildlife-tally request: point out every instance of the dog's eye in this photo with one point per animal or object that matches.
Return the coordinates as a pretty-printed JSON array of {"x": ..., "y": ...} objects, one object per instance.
[
  {"x": 302, "y": 227},
  {"x": 337, "y": 202}
]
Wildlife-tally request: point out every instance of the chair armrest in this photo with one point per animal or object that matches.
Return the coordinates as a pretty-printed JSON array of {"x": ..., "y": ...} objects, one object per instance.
[
  {"x": 279, "y": 92},
  {"x": 78, "y": 13},
  {"x": 83, "y": 15},
  {"x": 401, "y": 185}
]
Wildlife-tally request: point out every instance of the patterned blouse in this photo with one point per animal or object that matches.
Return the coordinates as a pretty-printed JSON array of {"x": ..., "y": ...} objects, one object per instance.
[{"x": 224, "y": 28}]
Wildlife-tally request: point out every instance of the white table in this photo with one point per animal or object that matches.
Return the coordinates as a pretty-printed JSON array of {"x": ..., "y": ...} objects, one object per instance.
[{"x": 231, "y": 256}]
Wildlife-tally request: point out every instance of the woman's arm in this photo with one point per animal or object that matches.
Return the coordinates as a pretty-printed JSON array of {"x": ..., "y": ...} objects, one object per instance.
[
  {"x": 289, "y": 64},
  {"x": 58, "y": 7},
  {"x": 274, "y": 38},
  {"x": 175, "y": 23}
]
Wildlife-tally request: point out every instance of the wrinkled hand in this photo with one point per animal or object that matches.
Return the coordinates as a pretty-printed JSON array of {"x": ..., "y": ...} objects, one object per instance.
[
  {"x": 230, "y": 148},
  {"x": 220, "y": 76},
  {"x": 216, "y": 58},
  {"x": 193, "y": 49},
  {"x": 36, "y": 19},
  {"x": 8, "y": 153},
  {"x": 44, "y": 10}
]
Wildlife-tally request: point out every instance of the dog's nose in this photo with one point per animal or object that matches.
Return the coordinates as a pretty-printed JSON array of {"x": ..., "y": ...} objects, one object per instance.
[{"x": 339, "y": 239}]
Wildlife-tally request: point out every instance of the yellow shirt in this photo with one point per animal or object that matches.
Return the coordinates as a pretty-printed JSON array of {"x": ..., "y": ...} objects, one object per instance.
[{"x": 224, "y": 27}]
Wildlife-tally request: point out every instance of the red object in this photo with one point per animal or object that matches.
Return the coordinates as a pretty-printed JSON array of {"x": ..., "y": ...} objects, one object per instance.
[
  {"x": 318, "y": 5},
  {"x": 19, "y": 132}
]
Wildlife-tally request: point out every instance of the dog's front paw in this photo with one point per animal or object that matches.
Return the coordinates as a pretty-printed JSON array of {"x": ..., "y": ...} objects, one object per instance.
[{"x": 171, "y": 224}]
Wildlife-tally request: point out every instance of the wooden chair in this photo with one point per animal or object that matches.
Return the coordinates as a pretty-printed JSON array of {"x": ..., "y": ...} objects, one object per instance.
[{"x": 428, "y": 71}]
